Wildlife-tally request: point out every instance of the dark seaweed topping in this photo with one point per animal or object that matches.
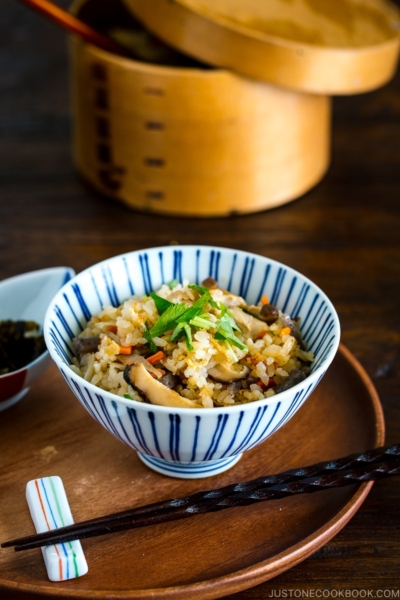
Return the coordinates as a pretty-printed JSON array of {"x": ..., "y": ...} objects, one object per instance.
[{"x": 20, "y": 344}]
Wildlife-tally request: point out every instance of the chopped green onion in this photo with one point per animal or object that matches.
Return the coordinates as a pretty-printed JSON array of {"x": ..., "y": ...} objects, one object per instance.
[
  {"x": 212, "y": 302},
  {"x": 201, "y": 323},
  {"x": 230, "y": 352},
  {"x": 183, "y": 329},
  {"x": 236, "y": 342},
  {"x": 128, "y": 397},
  {"x": 172, "y": 284},
  {"x": 223, "y": 308},
  {"x": 178, "y": 331},
  {"x": 188, "y": 335},
  {"x": 221, "y": 334}
]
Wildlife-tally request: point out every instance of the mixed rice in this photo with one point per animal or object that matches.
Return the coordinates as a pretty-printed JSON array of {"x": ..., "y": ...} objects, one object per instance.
[{"x": 193, "y": 346}]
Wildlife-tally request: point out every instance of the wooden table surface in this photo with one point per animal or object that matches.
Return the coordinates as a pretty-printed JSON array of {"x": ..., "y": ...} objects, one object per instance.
[{"x": 344, "y": 234}]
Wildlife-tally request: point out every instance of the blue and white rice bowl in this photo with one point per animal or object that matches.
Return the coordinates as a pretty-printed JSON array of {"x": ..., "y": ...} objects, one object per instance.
[{"x": 188, "y": 442}]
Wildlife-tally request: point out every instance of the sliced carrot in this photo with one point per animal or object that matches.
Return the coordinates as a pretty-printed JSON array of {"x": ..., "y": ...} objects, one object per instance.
[
  {"x": 155, "y": 376},
  {"x": 256, "y": 358},
  {"x": 264, "y": 300},
  {"x": 285, "y": 331},
  {"x": 125, "y": 349},
  {"x": 155, "y": 358},
  {"x": 112, "y": 328},
  {"x": 261, "y": 334},
  {"x": 261, "y": 384}
]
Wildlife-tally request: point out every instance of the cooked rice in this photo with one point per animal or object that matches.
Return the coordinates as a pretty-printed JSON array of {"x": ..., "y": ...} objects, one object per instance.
[{"x": 271, "y": 356}]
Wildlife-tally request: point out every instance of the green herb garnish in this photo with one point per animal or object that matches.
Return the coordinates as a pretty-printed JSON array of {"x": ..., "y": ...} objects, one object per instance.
[
  {"x": 202, "y": 291},
  {"x": 198, "y": 288},
  {"x": 201, "y": 322},
  {"x": 188, "y": 336},
  {"x": 230, "y": 352},
  {"x": 192, "y": 311},
  {"x": 179, "y": 318},
  {"x": 161, "y": 304},
  {"x": 221, "y": 334},
  {"x": 183, "y": 329},
  {"x": 147, "y": 335},
  {"x": 226, "y": 331},
  {"x": 168, "y": 319}
]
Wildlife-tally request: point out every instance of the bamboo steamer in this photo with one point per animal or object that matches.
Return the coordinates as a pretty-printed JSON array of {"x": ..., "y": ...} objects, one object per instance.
[
  {"x": 321, "y": 46},
  {"x": 191, "y": 141}
]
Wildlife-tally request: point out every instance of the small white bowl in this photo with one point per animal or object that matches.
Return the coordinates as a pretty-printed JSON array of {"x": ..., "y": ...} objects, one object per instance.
[
  {"x": 26, "y": 298},
  {"x": 186, "y": 442}
]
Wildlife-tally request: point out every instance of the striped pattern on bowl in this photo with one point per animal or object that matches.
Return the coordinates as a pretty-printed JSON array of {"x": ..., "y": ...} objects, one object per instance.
[{"x": 191, "y": 442}]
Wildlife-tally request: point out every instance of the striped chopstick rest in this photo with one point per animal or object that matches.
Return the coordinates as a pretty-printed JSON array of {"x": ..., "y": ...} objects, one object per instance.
[{"x": 49, "y": 508}]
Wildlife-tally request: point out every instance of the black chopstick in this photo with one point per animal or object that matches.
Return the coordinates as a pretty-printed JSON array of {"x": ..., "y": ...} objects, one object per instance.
[{"x": 355, "y": 468}]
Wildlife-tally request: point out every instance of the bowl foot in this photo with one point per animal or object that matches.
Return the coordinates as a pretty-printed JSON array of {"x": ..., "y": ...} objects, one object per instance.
[
  {"x": 193, "y": 470},
  {"x": 13, "y": 400}
]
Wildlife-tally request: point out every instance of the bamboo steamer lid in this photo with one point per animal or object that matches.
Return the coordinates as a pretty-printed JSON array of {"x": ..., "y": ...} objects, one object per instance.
[
  {"x": 320, "y": 46},
  {"x": 196, "y": 142}
]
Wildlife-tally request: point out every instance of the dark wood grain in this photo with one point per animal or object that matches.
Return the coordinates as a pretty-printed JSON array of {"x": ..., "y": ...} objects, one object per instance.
[
  {"x": 344, "y": 234},
  {"x": 206, "y": 556}
]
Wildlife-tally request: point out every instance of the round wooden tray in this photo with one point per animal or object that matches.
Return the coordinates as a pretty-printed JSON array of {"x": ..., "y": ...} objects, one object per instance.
[
  {"x": 207, "y": 556},
  {"x": 309, "y": 45}
]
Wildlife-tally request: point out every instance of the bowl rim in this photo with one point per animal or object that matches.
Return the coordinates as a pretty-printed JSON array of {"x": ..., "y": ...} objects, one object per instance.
[
  {"x": 281, "y": 397},
  {"x": 36, "y": 272}
]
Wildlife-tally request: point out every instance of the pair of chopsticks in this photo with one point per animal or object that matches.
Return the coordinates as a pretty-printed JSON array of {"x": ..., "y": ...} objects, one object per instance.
[
  {"x": 355, "y": 468},
  {"x": 70, "y": 23}
]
